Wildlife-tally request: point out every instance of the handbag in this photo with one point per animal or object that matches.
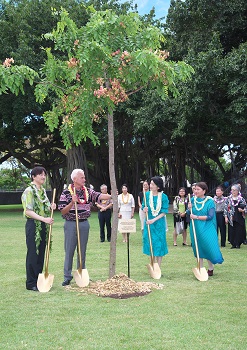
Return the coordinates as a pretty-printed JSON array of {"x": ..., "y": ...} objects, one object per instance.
[{"x": 179, "y": 227}]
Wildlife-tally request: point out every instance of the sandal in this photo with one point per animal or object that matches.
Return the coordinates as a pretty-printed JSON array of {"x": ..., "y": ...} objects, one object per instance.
[{"x": 175, "y": 245}]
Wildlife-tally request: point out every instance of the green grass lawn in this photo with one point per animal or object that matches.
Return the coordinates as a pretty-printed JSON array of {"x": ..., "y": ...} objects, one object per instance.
[{"x": 185, "y": 314}]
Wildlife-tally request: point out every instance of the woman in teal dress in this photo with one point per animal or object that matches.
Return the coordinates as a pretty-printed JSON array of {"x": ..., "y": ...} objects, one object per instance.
[
  {"x": 156, "y": 206},
  {"x": 203, "y": 209}
]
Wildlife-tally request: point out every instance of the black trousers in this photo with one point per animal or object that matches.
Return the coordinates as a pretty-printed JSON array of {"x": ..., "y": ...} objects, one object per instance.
[
  {"x": 221, "y": 226},
  {"x": 105, "y": 220},
  {"x": 236, "y": 233},
  {"x": 34, "y": 261}
]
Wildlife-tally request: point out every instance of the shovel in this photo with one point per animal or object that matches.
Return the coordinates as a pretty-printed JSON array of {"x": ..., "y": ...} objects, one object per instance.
[
  {"x": 81, "y": 275},
  {"x": 199, "y": 272},
  {"x": 45, "y": 280},
  {"x": 153, "y": 268}
]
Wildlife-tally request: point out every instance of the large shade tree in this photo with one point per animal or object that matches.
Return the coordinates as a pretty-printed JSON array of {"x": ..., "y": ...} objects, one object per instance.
[
  {"x": 24, "y": 135},
  {"x": 207, "y": 119}
]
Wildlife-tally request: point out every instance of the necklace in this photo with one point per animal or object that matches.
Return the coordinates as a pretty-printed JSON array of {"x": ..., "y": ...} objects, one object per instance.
[
  {"x": 200, "y": 203},
  {"x": 233, "y": 200},
  {"x": 219, "y": 199},
  {"x": 123, "y": 198},
  {"x": 182, "y": 200},
  {"x": 156, "y": 211},
  {"x": 36, "y": 193},
  {"x": 42, "y": 198},
  {"x": 71, "y": 188}
]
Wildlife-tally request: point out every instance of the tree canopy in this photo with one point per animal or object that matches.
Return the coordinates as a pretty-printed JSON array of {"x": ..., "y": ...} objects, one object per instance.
[{"x": 182, "y": 138}]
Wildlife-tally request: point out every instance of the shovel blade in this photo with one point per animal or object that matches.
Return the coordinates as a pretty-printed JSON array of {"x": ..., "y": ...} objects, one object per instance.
[
  {"x": 154, "y": 271},
  {"x": 201, "y": 274},
  {"x": 44, "y": 284},
  {"x": 81, "y": 278}
]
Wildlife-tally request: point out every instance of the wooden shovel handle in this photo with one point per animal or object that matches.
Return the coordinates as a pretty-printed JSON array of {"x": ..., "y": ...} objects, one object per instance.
[
  {"x": 47, "y": 252},
  {"x": 195, "y": 239},
  {"x": 78, "y": 235},
  {"x": 149, "y": 233}
]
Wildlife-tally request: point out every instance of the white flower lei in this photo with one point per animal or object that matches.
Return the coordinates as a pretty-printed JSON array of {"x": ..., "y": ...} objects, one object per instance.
[
  {"x": 219, "y": 199},
  {"x": 182, "y": 200},
  {"x": 237, "y": 199},
  {"x": 200, "y": 203},
  {"x": 156, "y": 211}
]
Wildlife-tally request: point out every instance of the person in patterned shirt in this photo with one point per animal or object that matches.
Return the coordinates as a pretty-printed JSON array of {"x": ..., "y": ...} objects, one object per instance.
[{"x": 84, "y": 197}]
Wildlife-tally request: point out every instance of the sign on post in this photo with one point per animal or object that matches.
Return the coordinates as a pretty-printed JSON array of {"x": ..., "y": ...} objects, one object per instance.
[{"x": 127, "y": 225}]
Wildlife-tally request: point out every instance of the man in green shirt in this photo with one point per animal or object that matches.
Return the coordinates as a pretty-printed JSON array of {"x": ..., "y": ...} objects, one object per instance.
[{"x": 37, "y": 208}]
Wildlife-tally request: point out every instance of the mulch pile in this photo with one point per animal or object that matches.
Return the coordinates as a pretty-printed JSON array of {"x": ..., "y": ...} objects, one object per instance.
[{"x": 118, "y": 287}]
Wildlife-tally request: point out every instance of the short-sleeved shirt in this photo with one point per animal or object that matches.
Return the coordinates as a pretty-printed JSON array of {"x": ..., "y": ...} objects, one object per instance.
[
  {"x": 84, "y": 210},
  {"x": 27, "y": 199},
  {"x": 219, "y": 203},
  {"x": 105, "y": 202},
  {"x": 126, "y": 206}
]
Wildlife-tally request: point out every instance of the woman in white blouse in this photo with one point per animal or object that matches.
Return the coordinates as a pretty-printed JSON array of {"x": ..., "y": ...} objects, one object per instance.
[{"x": 126, "y": 207}]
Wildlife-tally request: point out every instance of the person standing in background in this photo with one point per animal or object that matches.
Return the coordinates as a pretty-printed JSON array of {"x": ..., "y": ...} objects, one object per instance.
[
  {"x": 180, "y": 205},
  {"x": 142, "y": 215},
  {"x": 193, "y": 187},
  {"x": 104, "y": 215},
  {"x": 234, "y": 213},
  {"x": 219, "y": 201},
  {"x": 126, "y": 207},
  {"x": 245, "y": 240}
]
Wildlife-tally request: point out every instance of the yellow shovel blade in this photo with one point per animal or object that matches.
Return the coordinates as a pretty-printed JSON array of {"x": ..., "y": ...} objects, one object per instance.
[
  {"x": 44, "y": 284},
  {"x": 154, "y": 271},
  {"x": 81, "y": 278},
  {"x": 201, "y": 274}
]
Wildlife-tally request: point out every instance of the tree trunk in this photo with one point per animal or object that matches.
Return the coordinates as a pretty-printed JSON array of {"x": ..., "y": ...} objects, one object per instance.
[
  {"x": 57, "y": 178},
  {"x": 76, "y": 159},
  {"x": 113, "y": 248}
]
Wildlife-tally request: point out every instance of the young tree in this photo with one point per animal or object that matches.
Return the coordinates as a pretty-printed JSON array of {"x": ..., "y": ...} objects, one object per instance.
[
  {"x": 104, "y": 62},
  {"x": 123, "y": 61}
]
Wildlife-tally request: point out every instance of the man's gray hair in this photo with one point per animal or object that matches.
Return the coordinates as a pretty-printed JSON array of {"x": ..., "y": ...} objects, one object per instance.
[
  {"x": 75, "y": 172},
  {"x": 103, "y": 185}
]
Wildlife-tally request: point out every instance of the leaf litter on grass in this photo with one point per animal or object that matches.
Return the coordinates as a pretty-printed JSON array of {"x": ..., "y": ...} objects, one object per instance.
[{"x": 118, "y": 287}]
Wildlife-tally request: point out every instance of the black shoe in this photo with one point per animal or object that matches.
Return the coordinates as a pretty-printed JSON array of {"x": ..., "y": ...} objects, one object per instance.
[
  {"x": 109, "y": 240},
  {"x": 66, "y": 282},
  {"x": 34, "y": 289},
  {"x": 237, "y": 247},
  {"x": 210, "y": 272},
  {"x": 245, "y": 242},
  {"x": 233, "y": 247}
]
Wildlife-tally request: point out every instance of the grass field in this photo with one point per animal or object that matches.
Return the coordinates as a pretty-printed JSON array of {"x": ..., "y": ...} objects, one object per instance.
[{"x": 185, "y": 314}]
